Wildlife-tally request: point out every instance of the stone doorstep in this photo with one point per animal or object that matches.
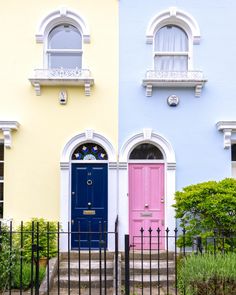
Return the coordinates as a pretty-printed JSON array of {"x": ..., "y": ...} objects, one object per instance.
[
  {"x": 146, "y": 264},
  {"x": 83, "y": 291},
  {"x": 138, "y": 255},
  {"x": 84, "y": 255},
  {"x": 85, "y": 281},
  {"x": 137, "y": 278},
  {"x": 110, "y": 291},
  {"x": 85, "y": 264}
]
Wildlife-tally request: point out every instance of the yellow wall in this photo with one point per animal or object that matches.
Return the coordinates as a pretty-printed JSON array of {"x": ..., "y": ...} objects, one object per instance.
[{"x": 32, "y": 166}]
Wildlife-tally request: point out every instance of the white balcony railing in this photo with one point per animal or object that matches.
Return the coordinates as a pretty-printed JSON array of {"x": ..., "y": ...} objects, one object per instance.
[
  {"x": 60, "y": 77},
  {"x": 182, "y": 79}
]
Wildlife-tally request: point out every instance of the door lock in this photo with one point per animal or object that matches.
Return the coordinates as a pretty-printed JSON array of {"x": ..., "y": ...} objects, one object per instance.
[
  {"x": 89, "y": 182},
  {"x": 89, "y": 204},
  {"x": 162, "y": 201},
  {"x": 146, "y": 205}
]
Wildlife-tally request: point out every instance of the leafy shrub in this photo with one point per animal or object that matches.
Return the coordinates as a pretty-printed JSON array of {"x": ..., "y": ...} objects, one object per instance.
[
  {"x": 24, "y": 280},
  {"x": 207, "y": 274},
  {"x": 9, "y": 255},
  {"x": 207, "y": 209},
  {"x": 46, "y": 235}
]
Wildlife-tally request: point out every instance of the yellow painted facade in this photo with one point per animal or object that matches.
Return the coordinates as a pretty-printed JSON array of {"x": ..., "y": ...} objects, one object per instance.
[{"x": 32, "y": 165}]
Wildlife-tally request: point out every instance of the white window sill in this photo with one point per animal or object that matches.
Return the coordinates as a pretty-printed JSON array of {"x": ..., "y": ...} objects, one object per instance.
[
  {"x": 62, "y": 77},
  {"x": 193, "y": 79}
]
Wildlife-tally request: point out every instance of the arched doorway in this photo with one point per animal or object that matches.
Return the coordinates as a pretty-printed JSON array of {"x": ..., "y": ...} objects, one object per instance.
[
  {"x": 149, "y": 148},
  {"x": 84, "y": 155},
  {"x": 146, "y": 194},
  {"x": 89, "y": 190}
]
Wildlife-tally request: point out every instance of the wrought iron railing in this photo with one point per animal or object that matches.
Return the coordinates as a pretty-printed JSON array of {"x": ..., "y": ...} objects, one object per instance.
[{"x": 151, "y": 262}]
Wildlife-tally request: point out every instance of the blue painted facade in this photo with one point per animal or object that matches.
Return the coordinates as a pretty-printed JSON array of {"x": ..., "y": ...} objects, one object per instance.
[{"x": 190, "y": 127}]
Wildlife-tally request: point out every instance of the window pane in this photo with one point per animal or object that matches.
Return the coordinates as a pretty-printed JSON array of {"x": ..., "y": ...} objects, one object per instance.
[
  {"x": 1, "y": 171},
  {"x": 233, "y": 152},
  {"x": 171, "y": 39},
  {"x": 1, "y": 191},
  {"x": 65, "y": 37},
  {"x": 1, "y": 151},
  {"x": 146, "y": 151},
  {"x": 1, "y": 210},
  {"x": 171, "y": 63},
  {"x": 65, "y": 60}
]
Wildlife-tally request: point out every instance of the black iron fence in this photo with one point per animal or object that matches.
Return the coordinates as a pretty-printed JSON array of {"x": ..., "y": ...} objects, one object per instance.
[{"x": 38, "y": 259}]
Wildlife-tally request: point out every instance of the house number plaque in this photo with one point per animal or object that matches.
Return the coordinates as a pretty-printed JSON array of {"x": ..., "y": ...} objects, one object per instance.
[
  {"x": 89, "y": 212},
  {"x": 143, "y": 214}
]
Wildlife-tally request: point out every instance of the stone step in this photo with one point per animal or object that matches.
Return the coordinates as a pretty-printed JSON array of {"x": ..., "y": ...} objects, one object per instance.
[
  {"x": 84, "y": 255},
  {"x": 85, "y": 281},
  {"x": 84, "y": 267},
  {"x": 138, "y": 255},
  {"x": 155, "y": 280},
  {"x": 137, "y": 268},
  {"x": 83, "y": 291}
]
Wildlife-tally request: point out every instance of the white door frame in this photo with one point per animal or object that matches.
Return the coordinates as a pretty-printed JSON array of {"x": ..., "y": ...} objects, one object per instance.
[
  {"x": 65, "y": 166},
  {"x": 146, "y": 136}
]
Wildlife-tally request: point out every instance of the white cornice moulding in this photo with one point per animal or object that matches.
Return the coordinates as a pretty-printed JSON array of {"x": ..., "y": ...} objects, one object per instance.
[
  {"x": 7, "y": 127},
  {"x": 227, "y": 127}
]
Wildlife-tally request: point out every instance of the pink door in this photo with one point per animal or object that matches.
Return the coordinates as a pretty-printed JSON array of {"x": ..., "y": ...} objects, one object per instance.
[{"x": 146, "y": 204}]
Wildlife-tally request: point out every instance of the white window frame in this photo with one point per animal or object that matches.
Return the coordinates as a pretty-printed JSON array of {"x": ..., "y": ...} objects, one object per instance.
[
  {"x": 60, "y": 16},
  {"x": 173, "y": 53},
  {"x": 233, "y": 163},
  {"x": 181, "y": 19},
  {"x": 47, "y": 50},
  {"x": 61, "y": 77},
  {"x": 190, "y": 78}
]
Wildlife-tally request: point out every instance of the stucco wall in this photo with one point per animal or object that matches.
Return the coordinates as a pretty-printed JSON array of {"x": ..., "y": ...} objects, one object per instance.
[
  {"x": 32, "y": 166},
  {"x": 189, "y": 127}
]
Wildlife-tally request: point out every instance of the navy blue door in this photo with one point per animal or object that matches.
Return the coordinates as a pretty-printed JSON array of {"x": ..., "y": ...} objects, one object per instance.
[{"x": 88, "y": 204}]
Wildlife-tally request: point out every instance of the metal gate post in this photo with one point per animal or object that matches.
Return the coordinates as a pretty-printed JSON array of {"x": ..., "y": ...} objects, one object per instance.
[{"x": 127, "y": 274}]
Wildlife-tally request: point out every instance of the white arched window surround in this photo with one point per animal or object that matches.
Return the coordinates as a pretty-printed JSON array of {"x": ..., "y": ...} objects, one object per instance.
[
  {"x": 63, "y": 77},
  {"x": 190, "y": 78},
  {"x": 59, "y": 17},
  {"x": 179, "y": 18}
]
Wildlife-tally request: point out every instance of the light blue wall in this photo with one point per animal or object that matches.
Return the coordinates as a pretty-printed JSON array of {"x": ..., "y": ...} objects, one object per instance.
[{"x": 190, "y": 127}]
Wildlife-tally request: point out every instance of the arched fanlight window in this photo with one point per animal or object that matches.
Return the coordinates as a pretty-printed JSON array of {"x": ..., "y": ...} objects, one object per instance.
[
  {"x": 146, "y": 151},
  {"x": 171, "y": 49},
  {"x": 89, "y": 151},
  {"x": 64, "y": 47}
]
